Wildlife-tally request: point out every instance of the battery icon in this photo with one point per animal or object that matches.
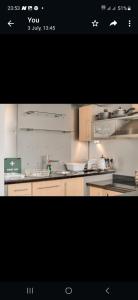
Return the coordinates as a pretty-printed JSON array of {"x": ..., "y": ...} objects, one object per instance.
[{"x": 129, "y": 8}]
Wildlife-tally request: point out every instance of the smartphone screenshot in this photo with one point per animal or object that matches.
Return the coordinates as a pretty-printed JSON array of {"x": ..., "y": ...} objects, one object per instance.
[{"x": 68, "y": 149}]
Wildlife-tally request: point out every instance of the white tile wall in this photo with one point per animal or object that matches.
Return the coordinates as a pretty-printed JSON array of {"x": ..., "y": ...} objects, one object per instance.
[
  {"x": 124, "y": 152},
  {"x": 32, "y": 145},
  {"x": 10, "y": 129}
]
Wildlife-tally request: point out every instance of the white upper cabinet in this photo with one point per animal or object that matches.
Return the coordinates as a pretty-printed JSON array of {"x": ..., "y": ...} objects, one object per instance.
[{"x": 57, "y": 117}]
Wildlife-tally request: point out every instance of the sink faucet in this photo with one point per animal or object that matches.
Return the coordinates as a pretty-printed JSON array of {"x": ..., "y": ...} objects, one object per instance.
[{"x": 50, "y": 161}]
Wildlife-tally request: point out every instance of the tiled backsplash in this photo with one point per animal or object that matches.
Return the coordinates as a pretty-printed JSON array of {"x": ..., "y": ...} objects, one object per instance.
[{"x": 123, "y": 151}]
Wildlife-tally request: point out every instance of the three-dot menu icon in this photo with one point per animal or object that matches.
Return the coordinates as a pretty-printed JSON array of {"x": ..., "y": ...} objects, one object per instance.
[{"x": 129, "y": 23}]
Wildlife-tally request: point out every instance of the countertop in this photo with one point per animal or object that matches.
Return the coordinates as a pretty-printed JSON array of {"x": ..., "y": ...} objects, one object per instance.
[
  {"x": 58, "y": 176},
  {"x": 132, "y": 194},
  {"x": 103, "y": 184}
]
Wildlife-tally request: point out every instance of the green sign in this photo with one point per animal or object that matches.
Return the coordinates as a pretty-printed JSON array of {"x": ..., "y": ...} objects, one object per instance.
[{"x": 12, "y": 165}]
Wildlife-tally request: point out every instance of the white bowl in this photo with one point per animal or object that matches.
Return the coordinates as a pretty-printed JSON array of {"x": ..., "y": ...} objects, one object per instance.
[{"x": 75, "y": 167}]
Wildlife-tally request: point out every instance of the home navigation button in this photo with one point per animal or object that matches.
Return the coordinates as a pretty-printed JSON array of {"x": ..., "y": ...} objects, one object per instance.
[{"x": 68, "y": 290}]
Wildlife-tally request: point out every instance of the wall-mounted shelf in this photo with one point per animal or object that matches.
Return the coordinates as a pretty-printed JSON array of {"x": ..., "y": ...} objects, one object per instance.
[
  {"x": 131, "y": 117},
  {"x": 46, "y": 130}
]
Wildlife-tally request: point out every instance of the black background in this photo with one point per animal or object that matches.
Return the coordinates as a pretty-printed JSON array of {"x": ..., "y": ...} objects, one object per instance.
[{"x": 46, "y": 239}]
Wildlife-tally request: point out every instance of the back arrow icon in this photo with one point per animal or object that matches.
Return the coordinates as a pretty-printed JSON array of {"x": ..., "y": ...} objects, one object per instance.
[
  {"x": 10, "y": 23},
  {"x": 108, "y": 291}
]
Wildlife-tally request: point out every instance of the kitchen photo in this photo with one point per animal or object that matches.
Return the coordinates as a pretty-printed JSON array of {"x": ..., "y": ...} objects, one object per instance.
[{"x": 69, "y": 149}]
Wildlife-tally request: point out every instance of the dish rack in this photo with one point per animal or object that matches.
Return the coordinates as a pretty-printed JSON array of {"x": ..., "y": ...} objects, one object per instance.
[
  {"x": 40, "y": 173},
  {"x": 12, "y": 176}
]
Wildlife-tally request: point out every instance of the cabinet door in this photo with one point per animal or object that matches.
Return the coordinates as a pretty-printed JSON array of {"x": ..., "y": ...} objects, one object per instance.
[
  {"x": 104, "y": 128},
  {"x": 45, "y": 116},
  {"x": 135, "y": 106},
  {"x": 48, "y": 188},
  {"x": 112, "y": 193},
  {"x": 20, "y": 189},
  {"x": 85, "y": 123},
  {"x": 95, "y": 191},
  {"x": 74, "y": 187}
]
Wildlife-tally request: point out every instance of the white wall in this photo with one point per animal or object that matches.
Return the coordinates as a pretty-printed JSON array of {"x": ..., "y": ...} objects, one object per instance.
[
  {"x": 8, "y": 123},
  {"x": 124, "y": 152},
  {"x": 2, "y": 110},
  {"x": 32, "y": 145},
  {"x": 10, "y": 130}
]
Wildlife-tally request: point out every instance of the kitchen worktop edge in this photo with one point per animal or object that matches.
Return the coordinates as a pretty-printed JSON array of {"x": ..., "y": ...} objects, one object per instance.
[{"x": 57, "y": 177}]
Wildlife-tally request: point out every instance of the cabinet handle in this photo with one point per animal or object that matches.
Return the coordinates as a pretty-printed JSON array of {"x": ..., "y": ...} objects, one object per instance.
[
  {"x": 48, "y": 187},
  {"x": 21, "y": 190}
]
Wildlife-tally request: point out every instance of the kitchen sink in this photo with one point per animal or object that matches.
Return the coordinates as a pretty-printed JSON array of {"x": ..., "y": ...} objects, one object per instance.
[
  {"x": 47, "y": 174},
  {"x": 62, "y": 172}
]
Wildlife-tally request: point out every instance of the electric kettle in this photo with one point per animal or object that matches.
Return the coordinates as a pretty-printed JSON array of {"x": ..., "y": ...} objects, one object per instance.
[{"x": 101, "y": 163}]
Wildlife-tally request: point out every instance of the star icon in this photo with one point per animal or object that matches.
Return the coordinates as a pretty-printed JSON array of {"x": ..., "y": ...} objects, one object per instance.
[{"x": 95, "y": 23}]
